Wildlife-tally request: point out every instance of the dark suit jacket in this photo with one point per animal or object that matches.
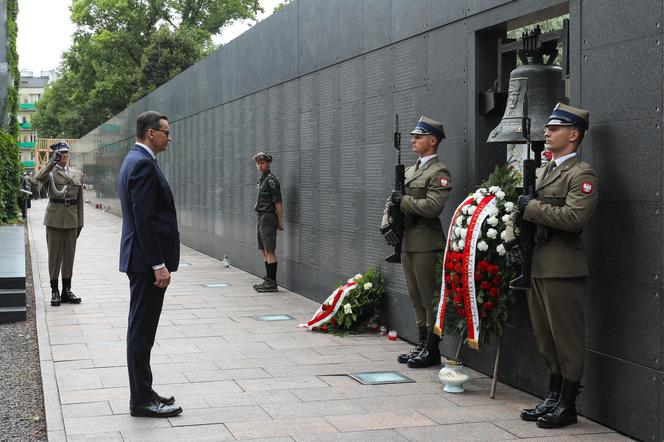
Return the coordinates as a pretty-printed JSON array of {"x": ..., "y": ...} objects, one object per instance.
[{"x": 150, "y": 233}]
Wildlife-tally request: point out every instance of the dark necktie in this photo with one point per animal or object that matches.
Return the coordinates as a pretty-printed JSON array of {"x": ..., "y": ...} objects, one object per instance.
[
  {"x": 550, "y": 167},
  {"x": 417, "y": 163}
]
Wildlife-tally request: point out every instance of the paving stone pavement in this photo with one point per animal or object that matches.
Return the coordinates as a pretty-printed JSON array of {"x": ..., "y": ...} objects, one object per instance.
[{"x": 235, "y": 377}]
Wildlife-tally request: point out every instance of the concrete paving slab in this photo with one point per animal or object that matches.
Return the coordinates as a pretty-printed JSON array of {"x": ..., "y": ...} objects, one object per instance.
[{"x": 236, "y": 377}]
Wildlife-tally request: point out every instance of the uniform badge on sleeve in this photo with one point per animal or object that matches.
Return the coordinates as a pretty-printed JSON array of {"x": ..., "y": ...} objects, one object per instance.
[
  {"x": 443, "y": 182},
  {"x": 587, "y": 187},
  {"x": 272, "y": 184}
]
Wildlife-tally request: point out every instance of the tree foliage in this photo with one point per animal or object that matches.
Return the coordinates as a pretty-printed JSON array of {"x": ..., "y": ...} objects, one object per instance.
[{"x": 124, "y": 49}]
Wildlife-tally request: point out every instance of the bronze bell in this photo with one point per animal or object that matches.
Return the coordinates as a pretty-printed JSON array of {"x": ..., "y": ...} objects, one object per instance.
[
  {"x": 535, "y": 88},
  {"x": 543, "y": 84}
]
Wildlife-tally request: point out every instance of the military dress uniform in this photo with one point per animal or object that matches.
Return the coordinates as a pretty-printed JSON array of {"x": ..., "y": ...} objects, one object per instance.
[
  {"x": 567, "y": 195},
  {"x": 63, "y": 221},
  {"x": 268, "y": 194},
  {"x": 427, "y": 188}
]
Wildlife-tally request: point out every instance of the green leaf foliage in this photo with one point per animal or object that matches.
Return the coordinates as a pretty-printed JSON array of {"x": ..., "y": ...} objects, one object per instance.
[{"x": 124, "y": 49}]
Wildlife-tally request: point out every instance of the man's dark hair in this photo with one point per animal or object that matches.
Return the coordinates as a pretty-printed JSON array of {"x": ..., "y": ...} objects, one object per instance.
[{"x": 148, "y": 120}]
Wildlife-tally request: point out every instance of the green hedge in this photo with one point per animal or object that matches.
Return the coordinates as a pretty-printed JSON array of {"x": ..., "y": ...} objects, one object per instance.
[{"x": 10, "y": 165}]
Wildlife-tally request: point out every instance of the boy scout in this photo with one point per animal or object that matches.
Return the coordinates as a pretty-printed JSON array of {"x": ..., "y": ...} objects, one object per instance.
[
  {"x": 270, "y": 211},
  {"x": 427, "y": 185},
  {"x": 566, "y": 198},
  {"x": 63, "y": 220}
]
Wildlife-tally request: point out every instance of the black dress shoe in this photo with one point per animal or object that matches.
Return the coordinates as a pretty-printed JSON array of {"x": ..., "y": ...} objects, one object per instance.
[
  {"x": 268, "y": 286},
  {"x": 154, "y": 409},
  {"x": 163, "y": 400},
  {"x": 544, "y": 407},
  {"x": 405, "y": 357},
  {"x": 428, "y": 357},
  {"x": 564, "y": 413}
]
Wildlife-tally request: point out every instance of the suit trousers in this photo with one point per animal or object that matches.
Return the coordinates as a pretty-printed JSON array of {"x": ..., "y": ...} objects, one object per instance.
[
  {"x": 556, "y": 313},
  {"x": 61, "y": 244},
  {"x": 144, "y": 311},
  {"x": 419, "y": 268}
]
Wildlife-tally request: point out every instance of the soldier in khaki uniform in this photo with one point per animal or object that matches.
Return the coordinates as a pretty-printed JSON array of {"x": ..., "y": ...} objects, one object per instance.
[
  {"x": 566, "y": 198},
  {"x": 63, "y": 220},
  {"x": 427, "y": 185}
]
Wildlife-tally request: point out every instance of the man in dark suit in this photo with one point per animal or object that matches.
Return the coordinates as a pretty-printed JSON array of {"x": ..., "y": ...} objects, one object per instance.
[{"x": 149, "y": 252}]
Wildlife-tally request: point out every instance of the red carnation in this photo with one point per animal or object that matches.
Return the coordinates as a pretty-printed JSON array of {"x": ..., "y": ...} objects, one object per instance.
[
  {"x": 333, "y": 321},
  {"x": 459, "y": 290},
  {"x": 478, "y": 276},
  {"x": 493, "y": 269},
  {"x": 485, "y": 285},
  {"x": 482, "y": 265},
  {"x": 494, "y": 292},
  {"x": 323, "y": 328},
  {"x": 497, "y": 281},
  {"x": 484, "y": 315},
  {"x": 489, "y": 305},
  {"x": 458, "y": 299}
]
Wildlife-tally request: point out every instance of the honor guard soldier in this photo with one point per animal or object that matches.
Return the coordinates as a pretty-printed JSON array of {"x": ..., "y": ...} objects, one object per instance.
[
  {"x": 270, "y": 210},
  {"x": 427, "y": 186},
  {"x": 63, "y": 220},
  {"x": 565, "y": 200}
]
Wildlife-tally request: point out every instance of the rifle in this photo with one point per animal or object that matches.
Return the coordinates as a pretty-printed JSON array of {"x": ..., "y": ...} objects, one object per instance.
[
  {"x": 393, "y": 230},
  {"x": 521, "y": 247}
]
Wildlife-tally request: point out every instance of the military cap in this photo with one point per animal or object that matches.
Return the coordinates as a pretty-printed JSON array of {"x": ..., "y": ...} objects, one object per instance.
[
  {"x": 60, "y": 146},
  {"x": 565, "y": 115},
  {"x": 262, "y": 156},
  {"x": 427, "y": 126}
]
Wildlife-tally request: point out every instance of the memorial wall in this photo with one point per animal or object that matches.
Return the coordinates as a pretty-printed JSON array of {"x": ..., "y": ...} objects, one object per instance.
[{"x": 317, "y": 85}]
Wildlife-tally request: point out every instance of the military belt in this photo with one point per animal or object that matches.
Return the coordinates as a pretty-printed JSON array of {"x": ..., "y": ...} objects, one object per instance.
[{"x": 65, "y": 201}]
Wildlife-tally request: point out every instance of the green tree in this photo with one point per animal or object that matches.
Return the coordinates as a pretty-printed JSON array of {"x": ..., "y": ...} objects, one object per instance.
[
  {"x": 281, "y": 6},
  {"x": 122, "y": 50}
]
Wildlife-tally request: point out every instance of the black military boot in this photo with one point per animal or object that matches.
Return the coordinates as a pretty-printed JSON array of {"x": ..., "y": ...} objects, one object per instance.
[
  {"x": 565, "y": 412},
  {"x": 55, "y": 293},
  {"x": 548, "y": 404},
  {"x": 429, "y": 356},
  {"x": 403, "y": 358},
  {"x": 67, "y": 295}
]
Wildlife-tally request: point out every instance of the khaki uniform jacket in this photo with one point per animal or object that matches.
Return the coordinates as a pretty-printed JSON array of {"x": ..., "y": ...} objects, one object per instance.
[
  {"x": 58, "y": 215},
  {"x": 425, "y": 195},
  {"x": 566, "y": 199}
]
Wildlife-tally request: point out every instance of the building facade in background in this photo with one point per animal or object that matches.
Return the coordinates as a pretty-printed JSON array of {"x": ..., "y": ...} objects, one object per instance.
[{"x": 29, "y": 93}]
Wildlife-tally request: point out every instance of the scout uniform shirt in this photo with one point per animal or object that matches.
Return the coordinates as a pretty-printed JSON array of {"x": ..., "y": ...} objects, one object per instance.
[
  {"x": 66, "y": 211},
  {"x": 268, "y": 192},
  {"x": 566, "y": 198}
]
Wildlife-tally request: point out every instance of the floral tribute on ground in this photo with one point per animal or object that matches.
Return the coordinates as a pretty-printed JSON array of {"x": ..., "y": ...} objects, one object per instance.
[
  {"x": 351, "y": 305},
  {"x": 475, "y": 294}
]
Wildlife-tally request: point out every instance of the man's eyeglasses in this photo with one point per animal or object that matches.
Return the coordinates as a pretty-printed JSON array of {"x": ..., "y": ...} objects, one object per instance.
[{"x": 166, "y": 132}]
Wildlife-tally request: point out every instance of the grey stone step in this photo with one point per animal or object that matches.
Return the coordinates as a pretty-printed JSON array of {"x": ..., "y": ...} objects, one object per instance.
[
  {"x": 12, "y": 297},
  {"x": 16, "y": 282},
  {"x": 12, "y": 314}
]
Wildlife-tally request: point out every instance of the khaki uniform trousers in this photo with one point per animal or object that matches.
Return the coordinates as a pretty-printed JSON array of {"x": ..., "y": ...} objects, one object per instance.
[
  {"x": 61, "y": 245},
  {"x": 556, "y": 312},
  {"x": 419, "y": 268}
]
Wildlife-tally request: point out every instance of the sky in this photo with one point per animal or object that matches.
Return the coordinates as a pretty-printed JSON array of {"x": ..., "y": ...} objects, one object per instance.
[{"x": 45, "y": 29}]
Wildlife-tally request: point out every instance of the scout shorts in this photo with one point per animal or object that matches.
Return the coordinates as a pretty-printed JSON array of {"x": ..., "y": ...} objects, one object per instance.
[{"x": 266, "y": 231}]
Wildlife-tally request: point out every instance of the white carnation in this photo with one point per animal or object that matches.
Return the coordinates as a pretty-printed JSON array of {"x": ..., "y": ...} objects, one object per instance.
[
  {"x": 500, "y": 194},
  {"x": 459, "y": 221},
  {"x": 492, "y": 221},
  {"x": 503, "y": 235},
  {"x": 348, "y": 309},
  {"x": 464, "y": 210},
  {"x": 494, "y": 189},
  {"x": 509, "y": 206},
  {"x": 482, "y": 246},
  {"x": 471, "y": 210},
  {"x": 501, "y": 249},
  {"x": 457, "y": 231},
  {"x": 492, "y": 233},
  {"x": 463, "y": 233},
  {"x": 357, "y": 277},
  {"x": 367, "y": 285},
  {"x": 494, "y": 211},
  {"x": 505, "y": 218},
  {"x": 460, "y": 245},
  {"x": 350, "y": 280}
]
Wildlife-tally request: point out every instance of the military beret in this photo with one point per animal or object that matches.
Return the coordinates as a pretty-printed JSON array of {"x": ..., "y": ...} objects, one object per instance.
[
  {"x": 262, "y": 156},
  {"x": 565, "y": 115},
  {"x": 60, "y": 146},
  {"x": 427, "y": 126}
]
